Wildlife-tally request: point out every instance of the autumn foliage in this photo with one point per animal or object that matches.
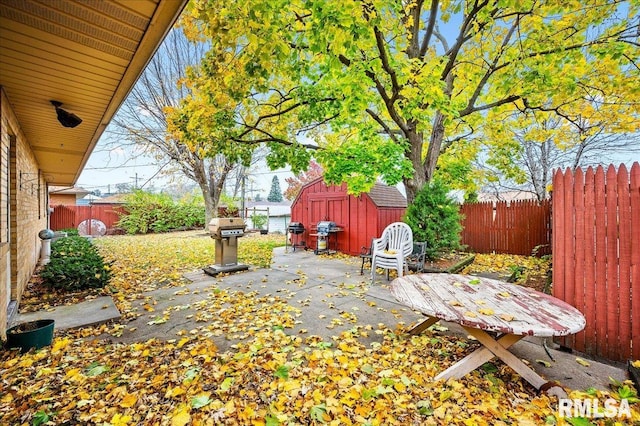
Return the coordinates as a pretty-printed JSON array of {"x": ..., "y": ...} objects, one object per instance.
[{"x": 269, "y": 376}]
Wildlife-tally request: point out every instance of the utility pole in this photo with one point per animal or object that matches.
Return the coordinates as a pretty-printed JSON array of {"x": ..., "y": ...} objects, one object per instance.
[{"x": 242, "y": 195}]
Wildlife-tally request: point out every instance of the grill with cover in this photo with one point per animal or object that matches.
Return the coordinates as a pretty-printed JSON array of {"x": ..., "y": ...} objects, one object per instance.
[
  {"x": 324, "y": 227},
  {"x": 323, "y": 230},
  {"x": 226, "y": 231}
]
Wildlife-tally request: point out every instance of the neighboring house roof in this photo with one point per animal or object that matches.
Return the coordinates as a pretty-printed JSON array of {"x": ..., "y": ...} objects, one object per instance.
[
  {"x": 275, "y": 209},
  {"x": 387, "y": 196},
  {"x": 74, "y": 190},
  {"x": 87, "y": 55},
  {"x": 111, "y": 199}
]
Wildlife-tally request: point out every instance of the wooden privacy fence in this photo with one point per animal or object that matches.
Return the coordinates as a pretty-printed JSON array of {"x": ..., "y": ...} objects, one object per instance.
[
  {"x": 596, "y": 257},
  {"x": 71, "y": 216},
  {"x": 516, "y": 227}
]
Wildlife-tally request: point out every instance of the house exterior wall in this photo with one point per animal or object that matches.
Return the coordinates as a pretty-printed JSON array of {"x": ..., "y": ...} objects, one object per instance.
[{"x": 23, "y": 195}]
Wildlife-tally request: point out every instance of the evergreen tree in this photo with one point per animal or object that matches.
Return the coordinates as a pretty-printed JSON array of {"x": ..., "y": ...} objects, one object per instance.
[
  {"x": 435, "y": 218},
  {"x": 276, "y": 194}
]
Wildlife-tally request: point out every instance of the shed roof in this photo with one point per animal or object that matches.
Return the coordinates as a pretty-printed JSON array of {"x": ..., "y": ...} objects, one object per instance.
[{"x": 387, "y": 196}]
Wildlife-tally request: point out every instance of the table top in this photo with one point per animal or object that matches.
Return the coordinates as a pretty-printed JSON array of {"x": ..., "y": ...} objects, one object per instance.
[{"x": 487, "y": 304}]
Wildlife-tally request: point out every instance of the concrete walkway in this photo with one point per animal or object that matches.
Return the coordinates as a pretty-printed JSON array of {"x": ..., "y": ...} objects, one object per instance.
[{"x": 329, "y": 296}]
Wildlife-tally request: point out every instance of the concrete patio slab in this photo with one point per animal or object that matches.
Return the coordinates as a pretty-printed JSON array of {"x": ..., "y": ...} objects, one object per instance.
[
  {"x": 84, "y": 314},
  {"x": 327, "y": 296}
]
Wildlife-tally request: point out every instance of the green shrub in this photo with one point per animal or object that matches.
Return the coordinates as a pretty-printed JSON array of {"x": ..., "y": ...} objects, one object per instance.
[
  {"x": 259, "y": 220},
  {"x": 71, "y": 232},
  {"x": 75, "y": 264},
  {"x": 147, "y": 212},
  {"x": 435, "y": 219}
]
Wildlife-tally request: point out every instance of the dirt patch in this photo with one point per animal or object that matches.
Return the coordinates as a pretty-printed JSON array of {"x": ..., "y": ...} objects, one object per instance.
[{"x": 38, "y": 296}]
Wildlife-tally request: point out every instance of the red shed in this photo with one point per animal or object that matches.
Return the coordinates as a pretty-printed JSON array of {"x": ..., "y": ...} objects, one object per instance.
[{"x": 361, "y": 218}]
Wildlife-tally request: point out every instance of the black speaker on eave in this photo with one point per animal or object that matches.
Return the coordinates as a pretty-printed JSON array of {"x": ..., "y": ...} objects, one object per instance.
[{"x": 66, "y": 118}]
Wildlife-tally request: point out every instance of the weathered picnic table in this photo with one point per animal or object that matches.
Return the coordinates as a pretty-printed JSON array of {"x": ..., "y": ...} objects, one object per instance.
[{"x": 483, "y": 305}]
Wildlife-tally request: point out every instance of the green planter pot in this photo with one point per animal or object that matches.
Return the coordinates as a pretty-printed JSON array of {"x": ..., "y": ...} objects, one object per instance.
[{"x": 33, "y": 334}]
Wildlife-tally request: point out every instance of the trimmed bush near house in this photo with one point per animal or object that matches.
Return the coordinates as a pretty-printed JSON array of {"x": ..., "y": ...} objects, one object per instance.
[
  {"x": 75, "y": 264},
  {"x": 71, "y": 232},
  {"x": 435, "y": 219}
]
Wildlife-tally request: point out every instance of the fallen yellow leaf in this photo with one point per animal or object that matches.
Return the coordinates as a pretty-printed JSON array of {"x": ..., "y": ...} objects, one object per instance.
[
  {"x": 129, "y": 401},
  {"x": 507, "y": 317},
  {"x": 486, "y": 311},
  {"x": 582, "y": 362},
  {"x": 180, "y": 416},
  {"x": 120, "y": 420}
]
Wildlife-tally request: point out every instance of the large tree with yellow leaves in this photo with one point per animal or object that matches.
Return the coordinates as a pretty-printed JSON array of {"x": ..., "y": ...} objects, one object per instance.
[{"x": 395, "y": 89}]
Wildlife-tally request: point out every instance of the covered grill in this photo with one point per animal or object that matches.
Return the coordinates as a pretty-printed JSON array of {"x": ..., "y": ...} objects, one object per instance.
[
  {"x": 324, "y": 229},
  {"x": 226, "y": 231},
  {"x": 296, "y": 229}
]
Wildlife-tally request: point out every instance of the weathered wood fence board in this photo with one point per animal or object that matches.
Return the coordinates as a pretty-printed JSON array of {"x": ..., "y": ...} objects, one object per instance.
[
  {"x": 71, "y": 216},
  {"x": 516, "y": 227},
  {"x": 596, "y": 250}
]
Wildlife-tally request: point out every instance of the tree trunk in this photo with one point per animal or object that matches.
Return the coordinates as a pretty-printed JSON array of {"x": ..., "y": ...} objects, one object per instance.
[
  {"x": 413, "y": 184},
  {"x": 423, "y": 170},
  {"x": 210, "y": 206},
  {"x": 435, "y": 146}
]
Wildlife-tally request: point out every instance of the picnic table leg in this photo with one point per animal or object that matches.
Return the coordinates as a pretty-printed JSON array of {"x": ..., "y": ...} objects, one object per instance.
[
  {"x": 423, "y": 325},
  {"x": 476, "y": 358},
  {"x": 502, "y": 352}
]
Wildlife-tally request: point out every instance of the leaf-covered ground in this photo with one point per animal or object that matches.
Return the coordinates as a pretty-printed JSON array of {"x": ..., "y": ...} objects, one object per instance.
[
  {"x": 141, "y": 263},
  {"x": 272, "y": 377},
  {"x": 529, "y": 271}
]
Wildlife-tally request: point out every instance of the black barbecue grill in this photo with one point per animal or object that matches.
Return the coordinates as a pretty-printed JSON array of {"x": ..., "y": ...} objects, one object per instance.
[{"x": 296, "y": 229}]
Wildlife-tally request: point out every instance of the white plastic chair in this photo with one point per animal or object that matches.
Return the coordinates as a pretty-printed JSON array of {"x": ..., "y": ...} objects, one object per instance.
[{"x": 391, "y": 249}]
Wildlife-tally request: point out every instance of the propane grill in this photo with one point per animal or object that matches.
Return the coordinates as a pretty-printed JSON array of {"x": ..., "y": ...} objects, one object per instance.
[
  {"x": 324, "y": 229},
  {"x": 226, "y": 231}
]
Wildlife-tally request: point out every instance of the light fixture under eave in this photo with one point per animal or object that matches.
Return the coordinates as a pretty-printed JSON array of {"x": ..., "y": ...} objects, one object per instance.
[{"x": 66, "y": 118}]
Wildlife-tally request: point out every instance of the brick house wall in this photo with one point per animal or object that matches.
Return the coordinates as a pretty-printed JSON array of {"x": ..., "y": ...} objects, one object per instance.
[{"x": 23, "y": 210}]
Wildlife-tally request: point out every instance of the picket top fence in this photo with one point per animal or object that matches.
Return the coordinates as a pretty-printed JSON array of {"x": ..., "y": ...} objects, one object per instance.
[{"x": 596, "y": 257}]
